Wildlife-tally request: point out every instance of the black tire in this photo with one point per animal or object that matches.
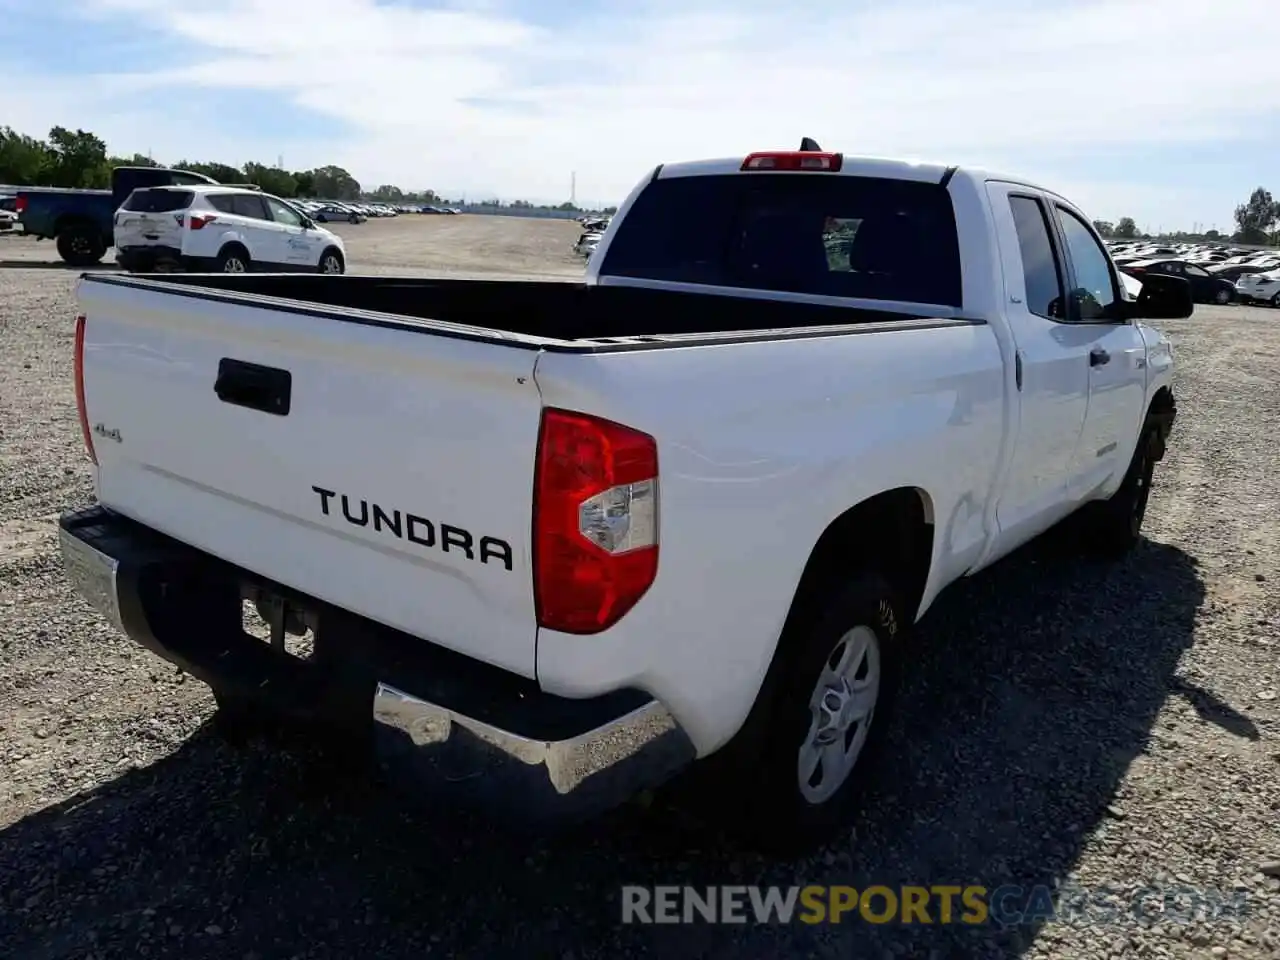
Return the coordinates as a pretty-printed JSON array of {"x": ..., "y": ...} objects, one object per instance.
[
  {"x": 1222, "y": 297},
  {"x": 754, "y": 781},
  {"x": 80, "y": 245},
  {"x": 331, "y": 255},
  {"x": 354, "y": 218},
  {"x": 1112, "y": 527},
  {"x": 234, "y": 258},
  {"x": 1275, "y": 300}
]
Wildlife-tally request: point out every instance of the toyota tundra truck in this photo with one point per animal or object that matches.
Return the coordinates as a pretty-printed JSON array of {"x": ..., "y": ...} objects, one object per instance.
[{"x": 555, "y": 542}]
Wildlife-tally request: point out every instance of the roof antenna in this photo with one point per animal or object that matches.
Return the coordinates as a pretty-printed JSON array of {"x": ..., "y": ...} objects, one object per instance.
[{"x": 809, "y": 145}]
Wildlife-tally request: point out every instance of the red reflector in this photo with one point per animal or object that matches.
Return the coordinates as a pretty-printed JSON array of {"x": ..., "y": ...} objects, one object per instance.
[
  {"x": 19, "y": 204},
  {"x": 81, "y": 409},
  {"x": 198, "y": 220},
  {"x": 822, "y": 162},
  {"x": 595, "y": 523}
]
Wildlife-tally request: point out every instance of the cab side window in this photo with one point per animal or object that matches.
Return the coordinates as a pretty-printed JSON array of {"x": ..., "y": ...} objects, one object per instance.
[
  {"x": 1039, "y": 264},
  {"x": 1094, "y": 295}
]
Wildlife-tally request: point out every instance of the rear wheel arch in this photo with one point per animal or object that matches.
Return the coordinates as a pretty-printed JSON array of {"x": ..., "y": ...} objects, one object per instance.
[
  {"x": 233, "y": 248},
  {"x": 890, "y": 533},
  {"x": 73, "y": 221}
]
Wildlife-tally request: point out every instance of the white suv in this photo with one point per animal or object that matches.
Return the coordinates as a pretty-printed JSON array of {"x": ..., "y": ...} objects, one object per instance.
[{"x": 210, "y": 227}]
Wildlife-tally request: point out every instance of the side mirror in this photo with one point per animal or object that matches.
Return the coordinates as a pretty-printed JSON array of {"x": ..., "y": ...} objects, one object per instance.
[
  {"x": 308, "y": 223},
  {"x": 1163, "y": 298}
]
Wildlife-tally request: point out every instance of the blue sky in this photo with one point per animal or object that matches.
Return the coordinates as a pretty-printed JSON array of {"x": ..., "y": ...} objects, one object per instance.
[{"x": 1164, "y": 118}]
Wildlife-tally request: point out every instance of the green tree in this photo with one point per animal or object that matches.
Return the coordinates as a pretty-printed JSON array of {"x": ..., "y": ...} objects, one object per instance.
[
  {"x": 24, "y": 160},
  {"x": 222, "y": 172},
  {"x": 1126, "y": 229},
  {"x": 271, "y": 179},
  {"x": 1256, "y": 217},
  {"x": 334, "y": 183},
  {"x": 306, "y": 182},
  {"x": 80, "y": 159},
  {"x": 1104, "y": 227},
  {"x": 387, "y": 193},
  {"x": 137, "y": 160}
]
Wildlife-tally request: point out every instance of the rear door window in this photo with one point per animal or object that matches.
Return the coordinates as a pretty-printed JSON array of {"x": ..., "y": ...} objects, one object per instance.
[
  {"x": 1040, "y": 268},
  {"x": 831, "y": 235},
  {"x": 248, "y": 205},
  {"x": 158, "y": 200},
  {"x": 222, "y": 201}
]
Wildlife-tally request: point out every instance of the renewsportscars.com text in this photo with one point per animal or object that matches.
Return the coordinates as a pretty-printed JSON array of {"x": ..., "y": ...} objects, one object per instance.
[{"x": 970, "y": 904}]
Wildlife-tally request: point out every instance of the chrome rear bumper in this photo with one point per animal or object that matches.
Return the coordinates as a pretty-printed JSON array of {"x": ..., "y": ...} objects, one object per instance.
[{"x": 436, "y": 720}]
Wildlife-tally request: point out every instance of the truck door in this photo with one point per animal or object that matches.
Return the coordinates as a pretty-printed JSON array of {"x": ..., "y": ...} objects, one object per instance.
[
  {"x": 1116, "y": 358},
  {"x": 1052, "y": 367}
]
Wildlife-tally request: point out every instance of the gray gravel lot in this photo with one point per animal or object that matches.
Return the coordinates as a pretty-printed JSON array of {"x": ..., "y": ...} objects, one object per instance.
[{"x": 1109, "y": 726}]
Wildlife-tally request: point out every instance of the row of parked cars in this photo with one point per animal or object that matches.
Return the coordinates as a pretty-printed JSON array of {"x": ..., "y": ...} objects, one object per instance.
[
  {"x": 593, "y": 228},
  {"x": 338, "y": 211},
  {"x": 1217, "y": 273}
]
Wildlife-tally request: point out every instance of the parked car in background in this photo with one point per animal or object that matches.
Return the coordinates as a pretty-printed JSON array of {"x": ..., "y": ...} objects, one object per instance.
[
  {"x": 1234, "y": 271},
  {"x": 227, "y": 229},
  {"x": 1205, "y": 288},
  {"x": 1259, "y": 288},
  {"x": 334, "y": 212},
  {"x": 82, "y": 222},
  {"x": 587, "y": 244}
]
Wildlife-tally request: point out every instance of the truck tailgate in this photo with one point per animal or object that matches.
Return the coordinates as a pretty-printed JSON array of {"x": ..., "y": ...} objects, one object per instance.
[{"x": 384, "y": 470}]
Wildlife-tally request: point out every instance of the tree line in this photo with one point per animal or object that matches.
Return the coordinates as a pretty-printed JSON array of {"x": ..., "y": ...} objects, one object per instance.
[
  {"x": 1256, "y": 219},
  {"x": 80, "y": 159}
]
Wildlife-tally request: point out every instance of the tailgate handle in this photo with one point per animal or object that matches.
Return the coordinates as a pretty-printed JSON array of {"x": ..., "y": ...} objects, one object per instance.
[{"x": 254, "y": 386}]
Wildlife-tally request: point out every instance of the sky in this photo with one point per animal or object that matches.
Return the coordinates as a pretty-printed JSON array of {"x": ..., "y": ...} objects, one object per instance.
[{"x": 1162, "y": 112}]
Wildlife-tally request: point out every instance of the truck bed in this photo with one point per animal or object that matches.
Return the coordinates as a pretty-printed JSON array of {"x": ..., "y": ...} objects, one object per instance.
[{"x": 550, "y": 314}]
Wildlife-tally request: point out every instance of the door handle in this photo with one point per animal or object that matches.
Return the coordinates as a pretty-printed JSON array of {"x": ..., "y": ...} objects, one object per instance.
[
  {"x": 1098, "y": 356},
  {"x": 251, "y": 385}
]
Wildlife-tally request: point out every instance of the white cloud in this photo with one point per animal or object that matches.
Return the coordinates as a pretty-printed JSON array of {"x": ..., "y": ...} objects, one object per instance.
[{"x": 474, "y": 98}]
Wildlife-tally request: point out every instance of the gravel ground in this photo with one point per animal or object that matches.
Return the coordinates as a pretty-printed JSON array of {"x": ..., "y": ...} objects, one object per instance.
[{"x": 1111, "y": 727}]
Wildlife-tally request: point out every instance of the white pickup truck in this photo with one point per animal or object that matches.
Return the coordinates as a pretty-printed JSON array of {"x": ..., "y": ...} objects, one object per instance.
[{"x": 556, "y": 540}]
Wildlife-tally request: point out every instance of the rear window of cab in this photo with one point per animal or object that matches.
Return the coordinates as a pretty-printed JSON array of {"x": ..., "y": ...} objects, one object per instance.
[
  {"x": 830, "y": 235},
  {"x": 158, "y": 200}
]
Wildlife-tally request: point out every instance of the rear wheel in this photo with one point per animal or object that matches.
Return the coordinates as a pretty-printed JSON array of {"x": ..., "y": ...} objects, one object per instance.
[
  {"x": 331, "y": 262},
  {"x": 233, "y": 260},
  {"x": 791, "y": 778},
  {"x": 1222, "y": 296},
  {"x": 1275, "y": 300},
  {"x": 80, "y": 245}
]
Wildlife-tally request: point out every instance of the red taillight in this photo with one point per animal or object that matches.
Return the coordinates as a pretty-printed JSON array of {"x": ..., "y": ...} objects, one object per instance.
[
  {"x": 595, "y": 521},
  {"x": 198, "y": 220},
  {"x": 1137, "y": 269},
  {"x": 798, "y": 160},
  {"x": 80, "y": 405},
  {"x": 19, "y": 203}
]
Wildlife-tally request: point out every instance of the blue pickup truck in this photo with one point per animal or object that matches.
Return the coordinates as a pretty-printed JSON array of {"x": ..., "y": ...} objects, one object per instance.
[{"x": 82, "y": 222}]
